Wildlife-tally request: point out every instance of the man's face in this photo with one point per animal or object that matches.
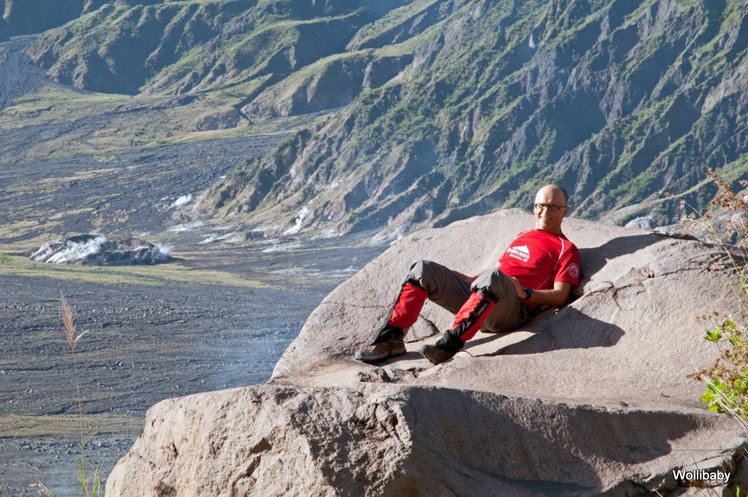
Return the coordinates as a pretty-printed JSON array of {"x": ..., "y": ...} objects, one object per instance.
[{"x": 550, "y": 209}]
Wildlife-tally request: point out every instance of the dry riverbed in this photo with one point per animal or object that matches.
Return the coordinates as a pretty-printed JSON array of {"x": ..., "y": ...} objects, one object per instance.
[{"x": 218, "y": 317}]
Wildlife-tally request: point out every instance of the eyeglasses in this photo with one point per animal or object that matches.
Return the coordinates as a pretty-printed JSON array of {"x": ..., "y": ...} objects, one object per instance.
[{"x": 549, "y": 207}]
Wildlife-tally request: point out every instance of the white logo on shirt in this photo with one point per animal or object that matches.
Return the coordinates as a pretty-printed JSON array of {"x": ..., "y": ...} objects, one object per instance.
[
  {"x": 522, "y": 253},
  {"x": 573, "y": 270}
]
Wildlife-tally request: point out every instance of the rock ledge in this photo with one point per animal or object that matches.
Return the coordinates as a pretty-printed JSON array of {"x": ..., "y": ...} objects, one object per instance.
[{"x": 589, "y": 400}]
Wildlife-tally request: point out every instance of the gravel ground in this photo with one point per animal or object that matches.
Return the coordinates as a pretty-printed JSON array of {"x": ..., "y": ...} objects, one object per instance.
[{"x": 145, "y": 344}]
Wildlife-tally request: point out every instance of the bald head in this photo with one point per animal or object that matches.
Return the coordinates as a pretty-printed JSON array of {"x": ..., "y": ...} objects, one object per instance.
[
  {"x": 555, "y": 189},
  {"x": 551, "y": 205}
]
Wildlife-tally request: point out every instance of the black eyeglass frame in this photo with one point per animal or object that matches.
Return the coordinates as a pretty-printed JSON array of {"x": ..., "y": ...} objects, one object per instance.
[{"x": 550, "y": 207}]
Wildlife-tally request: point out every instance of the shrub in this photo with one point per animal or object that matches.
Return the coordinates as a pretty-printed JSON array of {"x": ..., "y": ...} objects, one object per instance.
[{"x": 727, "y": 379}]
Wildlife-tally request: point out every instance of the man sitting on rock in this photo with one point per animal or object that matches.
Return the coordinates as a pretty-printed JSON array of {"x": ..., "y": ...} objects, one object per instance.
[{"x": 539, "y": 268}]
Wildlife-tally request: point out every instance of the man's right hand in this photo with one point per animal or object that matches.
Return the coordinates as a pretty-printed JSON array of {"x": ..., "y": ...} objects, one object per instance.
[{"x": 518, "y": 289}]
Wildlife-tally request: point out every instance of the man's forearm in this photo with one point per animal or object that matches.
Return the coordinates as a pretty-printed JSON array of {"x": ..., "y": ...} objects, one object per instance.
[{"x": 555, "y": 297}]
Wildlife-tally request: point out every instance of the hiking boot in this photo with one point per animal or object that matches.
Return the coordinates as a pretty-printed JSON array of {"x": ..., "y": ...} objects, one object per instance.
[
  {"x": 443, "y": 349},
  {"x": 434, "y": 354},
  {"x": 393, "y": 347}
]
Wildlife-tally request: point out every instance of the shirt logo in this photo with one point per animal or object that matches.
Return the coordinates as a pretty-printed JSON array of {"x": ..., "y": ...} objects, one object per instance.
[
  {"x": 573, "y": 270},
  {"x": 522, "y": 253}
]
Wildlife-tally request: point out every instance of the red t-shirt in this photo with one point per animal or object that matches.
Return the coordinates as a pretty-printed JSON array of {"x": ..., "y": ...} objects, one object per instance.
[{"x": 538, "y": 259}]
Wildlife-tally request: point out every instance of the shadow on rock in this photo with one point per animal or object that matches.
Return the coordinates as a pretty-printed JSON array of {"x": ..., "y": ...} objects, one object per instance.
[
  {"x": 569, "y": 329},
  {"x": 531, "y": 447},
  {"x": 592, "y": 260}
]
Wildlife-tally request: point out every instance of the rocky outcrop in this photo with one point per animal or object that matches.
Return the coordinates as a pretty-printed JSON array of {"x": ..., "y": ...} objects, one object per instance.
[
  {"x": 419, "y": 441},
  {"x": 589, "y": 400},
  {"x": 98, "y": 250},
  {"x": 326, "y": 85},
  {"x": 219, "y": 119}
]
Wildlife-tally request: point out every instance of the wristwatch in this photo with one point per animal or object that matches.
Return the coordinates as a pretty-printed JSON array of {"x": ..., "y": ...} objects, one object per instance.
[{"x": 528, "y": 291}]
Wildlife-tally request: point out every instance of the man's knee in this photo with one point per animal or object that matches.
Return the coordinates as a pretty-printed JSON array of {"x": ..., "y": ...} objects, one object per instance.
[
  {"x": 420, "y": 273},
  {"x": 493, "y": 283}
]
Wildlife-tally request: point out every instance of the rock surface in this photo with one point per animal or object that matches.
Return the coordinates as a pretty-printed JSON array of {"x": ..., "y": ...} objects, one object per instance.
[{"x": 589, "y": 400}]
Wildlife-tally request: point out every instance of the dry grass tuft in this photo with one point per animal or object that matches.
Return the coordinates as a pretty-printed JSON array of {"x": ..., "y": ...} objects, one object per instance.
[
  {"x": 70, "y": 334},
  {"x": 67, "y": 319}
]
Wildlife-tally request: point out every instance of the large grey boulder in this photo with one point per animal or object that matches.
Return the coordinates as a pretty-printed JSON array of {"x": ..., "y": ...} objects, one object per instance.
[
  {"x": 396, "y": 441},
  {"x": 633, "y": 334},
  {"x": 593, "y": 399}
]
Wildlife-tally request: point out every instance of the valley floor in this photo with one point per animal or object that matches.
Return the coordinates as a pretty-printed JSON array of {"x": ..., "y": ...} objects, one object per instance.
[
  {"x": 145, "y": 343},
  {"x": 75, "y": 162}
]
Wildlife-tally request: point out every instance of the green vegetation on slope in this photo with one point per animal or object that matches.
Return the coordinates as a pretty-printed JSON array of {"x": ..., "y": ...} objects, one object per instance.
[
  {"x": 438, "y": 109},
  {"x": 617, "y": 101}
]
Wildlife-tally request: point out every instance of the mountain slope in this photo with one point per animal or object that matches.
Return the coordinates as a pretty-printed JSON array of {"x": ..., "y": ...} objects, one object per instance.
[
  {"x": 197, "y": 46},
  {"x": 19, "y": 17},
  {"x": 616, "y": 103},
  {"x": 447, "y": 108}
]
